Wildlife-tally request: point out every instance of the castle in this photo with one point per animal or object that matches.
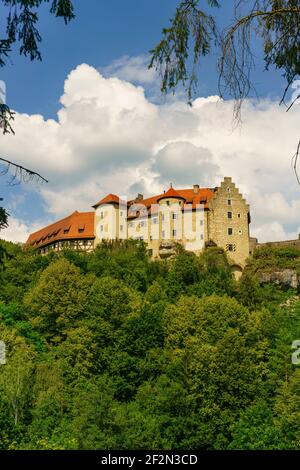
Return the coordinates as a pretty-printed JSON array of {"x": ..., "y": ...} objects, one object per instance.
[{"x": 194, "y": 217}]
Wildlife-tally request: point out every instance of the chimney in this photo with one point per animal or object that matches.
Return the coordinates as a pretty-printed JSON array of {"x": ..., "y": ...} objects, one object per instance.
[
  {"x": 140, "y": 197},
  {"x": 196, "y": 188}
]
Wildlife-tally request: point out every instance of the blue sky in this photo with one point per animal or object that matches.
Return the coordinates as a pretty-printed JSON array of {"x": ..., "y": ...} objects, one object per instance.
[
  {"x": 113, "y": 37},
  {"x": 104, "y": 31}
]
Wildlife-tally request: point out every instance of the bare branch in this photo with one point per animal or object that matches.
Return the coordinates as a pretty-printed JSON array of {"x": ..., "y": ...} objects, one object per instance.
[
  {"x": 295, "y": 162},
  {"x": 20, "y": 173}
]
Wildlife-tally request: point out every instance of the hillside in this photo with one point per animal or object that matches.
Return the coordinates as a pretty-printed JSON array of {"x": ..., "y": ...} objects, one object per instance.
[{"x": 111, "y": 350}]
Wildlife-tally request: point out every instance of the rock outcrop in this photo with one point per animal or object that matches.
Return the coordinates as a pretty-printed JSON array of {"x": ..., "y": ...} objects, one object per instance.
[{"x": 286, "y": 277}]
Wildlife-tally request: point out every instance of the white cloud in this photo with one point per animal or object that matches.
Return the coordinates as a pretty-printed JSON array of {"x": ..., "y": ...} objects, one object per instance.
[
  {"x": 17, "y": 230},
  {"x": 185, "y": 161},
  {"x": 109, "y": 137},
  {"x": 132, "y": 69},
  {"x": 272, "y": 232}
]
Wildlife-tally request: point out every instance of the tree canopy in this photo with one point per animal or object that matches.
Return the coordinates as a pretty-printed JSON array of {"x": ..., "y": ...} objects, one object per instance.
[
  {"x": 194, "y": 32},
  {"x": 153, "y": 355}
]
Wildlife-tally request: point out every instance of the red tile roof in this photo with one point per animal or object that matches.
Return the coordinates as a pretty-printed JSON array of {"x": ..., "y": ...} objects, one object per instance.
[
  {"x": 79, "y": 225},
  {"x": 203, "y": 196},
  {"x": 171, "y": 193},
  {"x": 110, "y": 198},
  {"x": 191, "y": 199}
]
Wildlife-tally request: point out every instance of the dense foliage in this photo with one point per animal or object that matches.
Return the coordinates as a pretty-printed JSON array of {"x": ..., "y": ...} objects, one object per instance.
[{"x": 111, "y": 350}]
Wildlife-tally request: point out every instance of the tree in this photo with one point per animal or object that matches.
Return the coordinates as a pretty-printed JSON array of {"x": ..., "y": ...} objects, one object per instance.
[
  {"x": 217, "y": 353},
  {"x": 193, "y": 33},
  {"x": 16, "y": 375},
  {"x": 58, "y": 300},
  {"x": 21, "y": 27},
  {"x": 275, "y": 22},
  {"x": 19, "y": 174},
  {"x": 3, "y": 217}
]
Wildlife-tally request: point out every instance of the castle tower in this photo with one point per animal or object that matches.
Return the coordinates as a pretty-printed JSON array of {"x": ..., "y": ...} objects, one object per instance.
[{"x": 228, "y": 223}]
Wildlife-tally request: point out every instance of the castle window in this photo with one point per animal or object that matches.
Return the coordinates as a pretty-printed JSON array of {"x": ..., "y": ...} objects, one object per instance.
[
  {"x": 155, "y": 220},
  {"x": 121, "y": 228},
  {"x": 202, "y": 237},
  {"x": 174, "y": 216},
  {"x": 228, "y": 189},
  {"x": 102, "y": 215},
  {"x": 81, "y": 229},
  {"x": 239, "y": 216},
  {"x": 230, "y": 247},
  {"x": 121, "y": 213},
  {"x": 163, "y": 217},
  {"x": 229, "y": 215},
  {"x": 240, "y": 232},
  {"x": 163, "y": 234},
  {"x": 230, "y": 231},
  {"x": 131, "y": 224},
  {"x": 229, "y": 202},
  {"x": 142, "y": 224},
  {"x": 168, "y": 203},
  {"x": 101, "y": 228},
  {"x": 174, "y": 233}
]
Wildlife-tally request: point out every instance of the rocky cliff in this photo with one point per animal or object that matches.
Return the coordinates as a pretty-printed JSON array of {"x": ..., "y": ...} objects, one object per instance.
[{"x": 286, "y": 277}]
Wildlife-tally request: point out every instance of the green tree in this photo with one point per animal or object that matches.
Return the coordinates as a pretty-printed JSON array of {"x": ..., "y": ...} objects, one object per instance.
[
  {"x": 21, "y": 27},
  {"x": 58, "y": 300},
  {"x": 16, "y": 375},
  {"x": 193, "y": 31},
  {"x": 219, "y": 352},
  {"x": 256, "y": 430}
]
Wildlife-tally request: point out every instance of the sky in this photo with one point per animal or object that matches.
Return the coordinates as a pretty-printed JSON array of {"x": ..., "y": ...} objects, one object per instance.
[{"x": 91, "y": 119}]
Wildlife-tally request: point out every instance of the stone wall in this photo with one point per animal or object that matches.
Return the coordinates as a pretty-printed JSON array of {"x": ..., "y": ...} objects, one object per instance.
[
  {"x": 228, "y": 222},
  {"x": 281, "y": 244}
]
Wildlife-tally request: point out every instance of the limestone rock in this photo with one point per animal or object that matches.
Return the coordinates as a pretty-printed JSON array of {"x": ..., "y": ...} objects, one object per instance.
[{"x": 287, "y": 277}]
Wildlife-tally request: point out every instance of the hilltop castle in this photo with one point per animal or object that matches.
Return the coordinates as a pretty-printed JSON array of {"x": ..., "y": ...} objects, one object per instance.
[{"x": 193, "y": 217}]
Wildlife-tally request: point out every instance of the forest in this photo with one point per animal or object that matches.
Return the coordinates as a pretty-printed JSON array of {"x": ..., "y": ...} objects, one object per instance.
[{"x": 112, "y": 350}]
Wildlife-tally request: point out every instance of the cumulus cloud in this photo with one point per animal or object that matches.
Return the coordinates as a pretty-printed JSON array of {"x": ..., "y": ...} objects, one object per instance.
[
  {"x": 109, "y": 137},
  {"x": 18, "y": 231},
  {"x": 273, "y": 231},
  {"x": 132, "y": 69},
  {"x": 182, "y": 161}
]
